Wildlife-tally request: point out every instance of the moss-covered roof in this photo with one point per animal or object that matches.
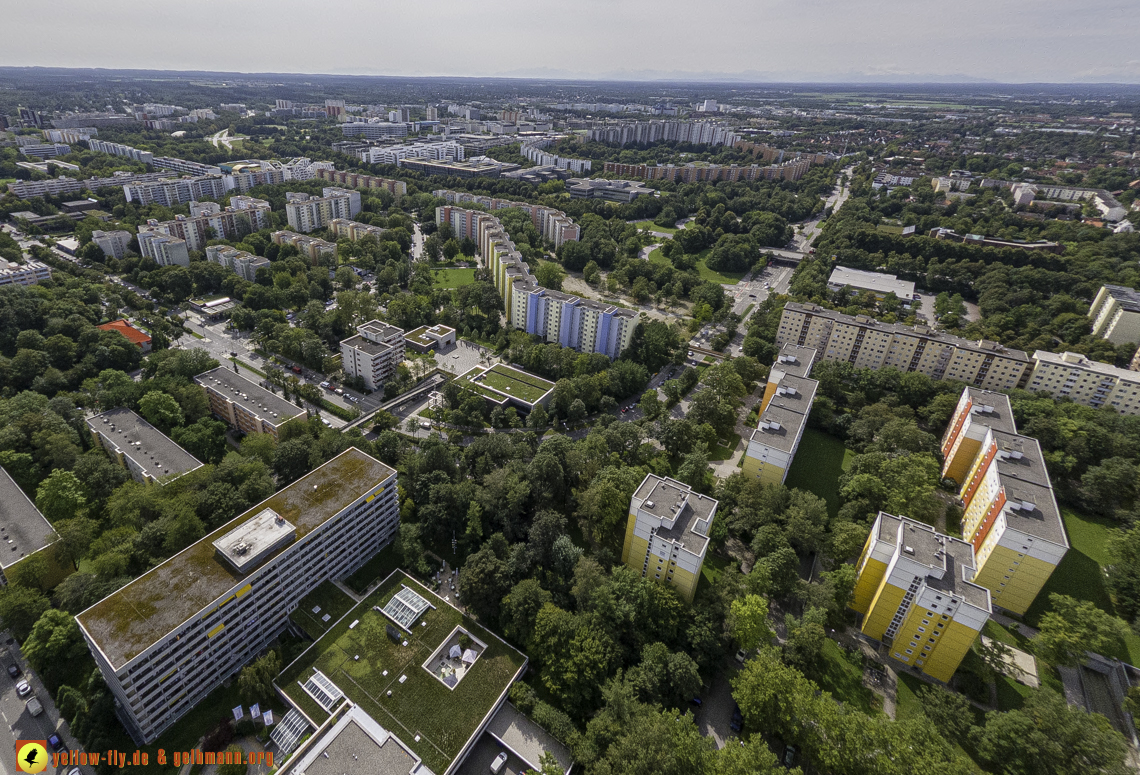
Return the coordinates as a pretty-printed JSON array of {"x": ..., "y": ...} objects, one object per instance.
[{"x": 137, "y": 616}]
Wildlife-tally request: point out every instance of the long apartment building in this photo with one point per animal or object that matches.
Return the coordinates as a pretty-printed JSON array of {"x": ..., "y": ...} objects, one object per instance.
[
  {"x": 553, "y": 225},
  {"x": 176, "y": 191},
  {"x": 395, "y": 154},
  {"x": 667, "y": 534},
  {"x": 868, "y": 343},
  {"x": 532, "y": 149},
  {"x": 354, "y": 230},
  {"x": 396, "y": 188},
  {"x": 308, "y": 213},
  {"x": 163, "y": 248},
  {"x": 1011, "y": 518},
  {"x": 793, "y": 169},
  {"x": 783, "y": 416},
  {"x": 917, "y": 593},
  {"x": 173, "y": 635},
  {"x": 1115, "y": 314},
  {"x": 23, "y": 527},
  {"x": 146, "y": 452},
  {"x": 118, "y": 149},
  {"x": 641, "y": 132},
  {"x": 63, "y": 185},
  {"x": 316, "y": 250},
  {"x": 208, "y": 221},
  {"x": 28, "y": 273},
  {"x": 246, "y": 406},
  {"x": 185, "y": 166},
  {"x": 1088, "y": 382},
  {"x": 240, "y": 262},
  {"x": 374, "y": 353},
  {"x": 582, "y": 324}
]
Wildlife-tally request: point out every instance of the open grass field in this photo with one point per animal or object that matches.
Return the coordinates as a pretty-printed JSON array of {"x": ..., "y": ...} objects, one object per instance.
[
  {"x": 842, "y": 678},
  {"x": 819, "y": 461},
  {"x": 433, "y": 720},
  {"x": 453, "y": 278},
  {"x": 333, "y": 603},
  {"x": 1081, "y": 574},
  {"x": 724, "y": 278},
  {"x": 654, "y": 227},
  {"x": 722, "y": 450}
]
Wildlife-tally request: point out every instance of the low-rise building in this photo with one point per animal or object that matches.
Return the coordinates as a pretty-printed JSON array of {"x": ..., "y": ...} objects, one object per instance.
[
  {"x": 783, "y": 416},
  {"x": 45, "y": 150},
  {"x": 1115, "y": 314},
  {"x": 27, "y": 273},
  {"x": 622, "y": 191},
  {"x": 23, "y": 528},
  {"x": 316, "y": 250},
  {"x": 112, "y": 243},
  {"x": 396, "y": 188},
  {"x": 139, "y": 447},
  {"x": 166, "y": 250},
  {"x": 246, "y": 406},
  {"x": 868, "y": 343},
  {"x": 135, "y": 336},
  {"x": 425, "y": 338},
  {"x": 173, "y": 635},
  {"x": 240, "y": 262},
  {"x": 354, "y": 230},
  {"x": 374, "y": 353},
  {"x": 505, "y": 387},
  {"x": 1089, "y": 382},
  {"x": 916, "y": 593},
  {"x": 879, "y": 284},
  {"x": 667, "y": 534}
]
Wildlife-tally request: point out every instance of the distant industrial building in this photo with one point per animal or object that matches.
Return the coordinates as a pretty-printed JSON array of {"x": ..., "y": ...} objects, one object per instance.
[
  {"x": 139, "y": 447},
  {"x": 621, "y": 191}
]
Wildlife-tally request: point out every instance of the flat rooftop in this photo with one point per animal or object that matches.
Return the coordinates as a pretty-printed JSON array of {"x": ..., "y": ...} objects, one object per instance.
[
  {"x": 794, "y": 394},
  {"x": 953, "y": 557},
  {"x": 375, "y": 329},
  {"x": 1021, "y": 470},
  {"x": 669, "y": 496},
  {"x": 356, "y": 743},
  {"x": 420, "y": 335},
  {"x": 506, "y": 381},
  {"x": 135, "y": 617},
  {"x": 1128, "y": 298},
  {"x": 779, "y": 427},
  {"x": 249, "y": 395},
  {"x": 1069, "y": 360},
  {"x": 151, "y": 449},
  {"x": 432, "y": 720},
  {"x": 367, "y": 346},
  {"x": 23, "y": 529},
  {"x": 992, "y": 409},
  {"x": 795, "y": 360},
  {"x": 871, "y": 281}
]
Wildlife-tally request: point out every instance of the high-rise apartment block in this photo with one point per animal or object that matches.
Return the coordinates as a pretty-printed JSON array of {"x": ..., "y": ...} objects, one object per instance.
[
  {"x": 118, "y": 149},
  {"x": 667, "y": 534},
  {"x": 553, "y": 225},
  {"x": 166, "y": 250},
  {"x": 1115, "y": 314},
  {"x": 395, "y": 154},
  {"x": 177, "y": 191},
  {"x": 306, "y": 213},
  {"x": 139, "y": 447},
  {"x": 1088, "y": 382},
  {"x": 25, "y": 530},
  {"x": 374, "y": 130},
  {"x": 316, "y": 250},
  {"x": 240, "y": 262},
  {"x": 246, "y": 406},
  {"x": 793, "y": 169},
  {"x": 112, "y": 243},
  {"x": 396, "y": 188},
  {"x": 783, "y": 410},
  {"x": 1011, "y": 517},
  {"x": 171, "y": 636},
  {"x": 354, "y": 230},
  {"x": 374, "y": 353},
  {"x": 208, "y": 221},
  {"x": 867, "y": 343},
  {"x": 696, "y": 132},
  {"x": 916, "y": 591}
]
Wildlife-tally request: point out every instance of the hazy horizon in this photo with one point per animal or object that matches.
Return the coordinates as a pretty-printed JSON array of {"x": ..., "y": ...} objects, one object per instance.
[{"x": 759, "y": 41}]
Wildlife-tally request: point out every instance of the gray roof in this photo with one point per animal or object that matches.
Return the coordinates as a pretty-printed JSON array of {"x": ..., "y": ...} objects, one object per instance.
[
  {"x": 998, "y": 415},
  {"x": 23, "y": 529},
  {"x": 665, "y": 494},
  {"x": 256, "y": 399},
  {"x": 367, "y": 346},
  {"x": 795, "y": 359},
  {"x": 1025, "y": 479},
  {"x": 798, "y": 401},
  {"x": 942, "y": 554},
  {"x": 356, "y": 744},
  {"x": 872, "y": 281},
  {"x": 1128, "y": 298},
  {"x": 784, "y": 437},
  {"x": 137, "y": 439},
  {"x": 528, "y": 740}
]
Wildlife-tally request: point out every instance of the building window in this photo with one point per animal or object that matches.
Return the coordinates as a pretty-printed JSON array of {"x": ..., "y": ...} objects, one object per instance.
[{"x": 908, "y": 651}]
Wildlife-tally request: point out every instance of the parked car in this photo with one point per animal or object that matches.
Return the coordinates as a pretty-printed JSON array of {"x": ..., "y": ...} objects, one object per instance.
[
  {"x": 737, "y": 722},
  {"x": 56, "y": 742},
  {"x": 339, "y": 392},
  {"x": 918, "y": 297},
  {"x": 499, "y": 763},
  {"x": 34, "y": 707},
  {"x": 741, "y": 655},
  {"x": 295, "y": 369},
  {"x": 14, "y": 670},
  {"x": 425, "y": 425},
  {"x": 789, "y": 758},
  {"x": 325, "y": 385},
  {"x": 690, "y": 353},
  {"x": 697, "y": 701},
  {"x": 23, "y": 688}
]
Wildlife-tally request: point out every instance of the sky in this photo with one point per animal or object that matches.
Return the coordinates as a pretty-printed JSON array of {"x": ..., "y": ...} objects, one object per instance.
[{"x": 1007, "y": 41}]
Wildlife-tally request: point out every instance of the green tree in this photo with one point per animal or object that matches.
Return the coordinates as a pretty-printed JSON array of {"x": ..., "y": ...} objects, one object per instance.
[
  {"x": 549, "y": 275},
  {"x": 60, "y": 496},
  {"x": 949, "y": 711},
  {"x": 520, "y": 609},
  {"x": 255, "y": 681},
  {"x": 291, "y": 459},
  {"x": 1072, "y": 627},
  {"x": 20, "y": 608},
  {"x": 161, "y": 410},
  {"x": 239, "y": 767},
  {"x": 483, "y": 582},
  {"x": 804, "y": 645},
  {"x": 1123, "y": 571},
  {"x": 54, "y": 645},
  {"x": 749, "y": 618}
]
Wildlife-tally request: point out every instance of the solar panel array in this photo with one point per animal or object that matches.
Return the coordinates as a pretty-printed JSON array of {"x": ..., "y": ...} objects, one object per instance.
[
  {"x": 325, "y": 692},
  {"x": 405, "y": 607}
]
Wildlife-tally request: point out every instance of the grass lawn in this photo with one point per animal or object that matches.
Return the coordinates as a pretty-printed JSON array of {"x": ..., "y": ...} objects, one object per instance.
[
  {"x": 453, "y": 278},
  {"x": 724, "y": 451},
  {"x": 711, "y": 570},
  {"x": 724, "y": 278},
  {"x": 654, "y": 227},
  {"x": 819, "y": 461},
  {"x": 196, "y": 336},
  {"x": 887, "y": 228},
  {"x": 433, "y": 720},
  {"x": 1010, "y": 694},
  {"x": 333, "y": 603},
  {"x": 842, "y": 678},
  {"x": 1081, "y": 574},
  {"x": 657, "y": 257},
  {"x": 506, "y": 381},
  {"x": 383, "y": 563}
]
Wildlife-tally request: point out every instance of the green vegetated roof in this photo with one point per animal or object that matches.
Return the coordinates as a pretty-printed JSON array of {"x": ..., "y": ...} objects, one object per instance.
[
  {"x": 445, "y": 719},
  {"x": 135, "y": 617},
  {"x": 502, "y": 380}
]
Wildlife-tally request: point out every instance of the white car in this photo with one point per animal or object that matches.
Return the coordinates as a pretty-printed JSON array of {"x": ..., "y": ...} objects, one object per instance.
[
  {"x": 499, "y": 763},
  {"x": 23, "y": 688}
]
